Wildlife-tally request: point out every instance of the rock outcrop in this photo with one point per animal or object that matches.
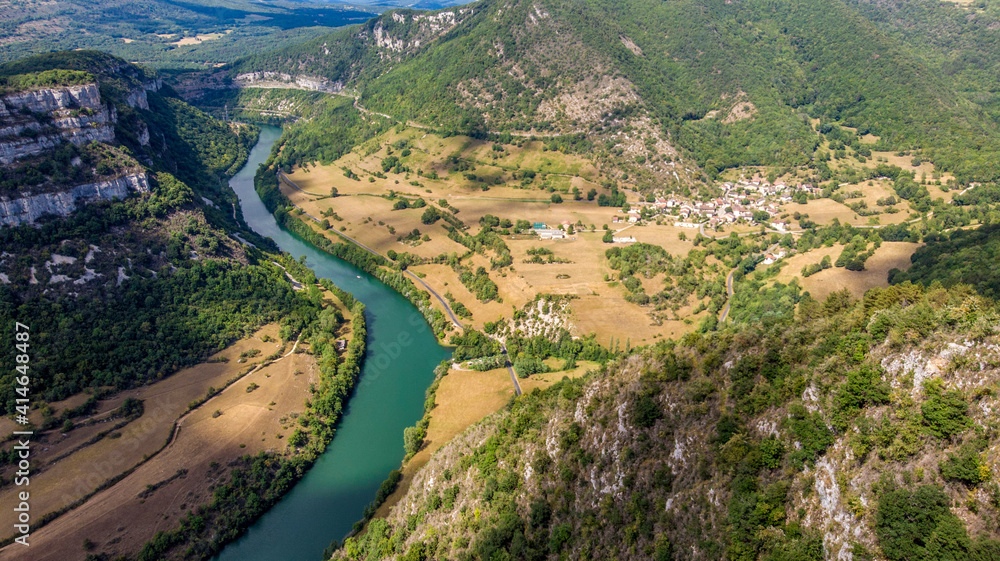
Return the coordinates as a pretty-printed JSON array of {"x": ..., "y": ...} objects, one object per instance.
[
  {"x": 52, "y": 99},
  {"x": 27, "y": 210},
  {"x": 283, "y": 80},
  {"x": 34, "y": 121}
]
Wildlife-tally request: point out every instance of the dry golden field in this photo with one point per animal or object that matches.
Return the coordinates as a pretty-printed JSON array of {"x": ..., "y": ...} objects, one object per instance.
[
  {"x": 60, "y": 483},
  {"x": 890, "y": 255},
  {"x": 235, "y": 422},
  {"x": 366, "y": 216}
]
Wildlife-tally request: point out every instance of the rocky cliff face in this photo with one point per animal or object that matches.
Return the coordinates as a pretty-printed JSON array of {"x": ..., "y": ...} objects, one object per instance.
[
  {"x": 791, "y": 442},
  {"x": 137, "y": 97},
  {"x": 27, "y": 210},
  {"x": 35, "y": 121},
  {"x": 52, "y": 99},
  {"x": 283, "y": 80}
]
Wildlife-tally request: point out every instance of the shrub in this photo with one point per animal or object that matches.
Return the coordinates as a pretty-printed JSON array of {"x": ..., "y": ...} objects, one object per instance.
[
  {"x": 945, "y": 413},
  {"x": 964, "y": 466},
  {"x": 413, "y": 439},
  {"x": 645, "y": 411},
  {"x": 919, "y": 525},
  {"x": 528, "y": 365},
  {"x": 811, "y": 432},
  {"x": 771, "y": 452},
  {"x": 864, "y": 387}
]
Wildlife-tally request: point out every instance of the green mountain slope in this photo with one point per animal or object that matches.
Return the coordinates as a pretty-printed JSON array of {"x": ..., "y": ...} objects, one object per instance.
[
  {"x": 960, "y": 41},
  {"x": 856, "y": 430},
  {"x": 727, "y": 83}
]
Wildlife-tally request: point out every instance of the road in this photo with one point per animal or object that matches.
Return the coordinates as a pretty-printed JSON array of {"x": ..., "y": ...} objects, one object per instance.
[
  {"x": 701, "y": 228},
  {"x": 510, "y": 370},
  {"x": 729, "y": 296},
  {"x": 729, "y": 287}
]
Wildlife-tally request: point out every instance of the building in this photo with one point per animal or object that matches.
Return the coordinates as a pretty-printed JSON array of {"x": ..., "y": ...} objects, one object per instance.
[
  {"x": 623, "y": 239},
  {"x": 550, "y": 233}
]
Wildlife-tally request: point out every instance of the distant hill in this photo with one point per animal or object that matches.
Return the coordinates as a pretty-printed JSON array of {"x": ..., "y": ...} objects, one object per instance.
[
  {"x": 726, "y": 83},
  {"x": 958, "y": 40},
  {"x": 168, "y": 34}
]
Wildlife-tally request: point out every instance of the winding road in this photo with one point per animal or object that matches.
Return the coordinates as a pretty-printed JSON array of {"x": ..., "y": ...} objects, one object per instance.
[
  {"x": 729, "y": 287},
  {"x": 510, "y": 369}
]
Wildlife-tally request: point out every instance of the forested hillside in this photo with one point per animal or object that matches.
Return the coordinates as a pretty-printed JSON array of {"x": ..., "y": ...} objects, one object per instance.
[
  {"x": 857, "y": 429},
  {"x": 120, "y": 292},
  {"x": 725, "y": 83},
  {"x": 958, "y": 40}
]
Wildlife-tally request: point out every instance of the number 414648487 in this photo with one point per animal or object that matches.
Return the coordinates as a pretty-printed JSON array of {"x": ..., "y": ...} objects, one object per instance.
[{"x": 21, "y": 337}]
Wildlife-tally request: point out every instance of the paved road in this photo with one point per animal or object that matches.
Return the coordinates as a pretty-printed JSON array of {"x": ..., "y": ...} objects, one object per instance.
[
  {"x": 729, "y": 287},
  {"x": 510, "y": 370},
  {"x": 729, "y": 296}
]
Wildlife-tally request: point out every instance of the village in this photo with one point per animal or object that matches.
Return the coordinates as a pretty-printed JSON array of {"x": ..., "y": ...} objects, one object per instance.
[
  {"x": 749, "y": 201},
  {"x": 753, "y": 201}
]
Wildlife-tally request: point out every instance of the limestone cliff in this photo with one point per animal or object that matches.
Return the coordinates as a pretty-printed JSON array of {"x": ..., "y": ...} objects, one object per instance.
[
  {"x": 32, "y": 122},
  {"x": 283, "y": 80},
  {"x": 27, "y": 210}
]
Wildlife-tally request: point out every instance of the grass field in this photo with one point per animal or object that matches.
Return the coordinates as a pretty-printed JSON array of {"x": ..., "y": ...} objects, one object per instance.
[
  {"x": 60, "y": 483},
  {"x": 890, "y": 255},
  {"x": 366, "y": 216}
]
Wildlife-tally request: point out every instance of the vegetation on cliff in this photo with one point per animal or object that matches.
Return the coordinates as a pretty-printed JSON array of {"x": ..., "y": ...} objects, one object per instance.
[{"x": 805, "y": 438}]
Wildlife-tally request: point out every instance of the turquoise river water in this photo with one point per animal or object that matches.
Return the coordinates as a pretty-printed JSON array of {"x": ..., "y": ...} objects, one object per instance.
[{"x": 402, "y": 354}]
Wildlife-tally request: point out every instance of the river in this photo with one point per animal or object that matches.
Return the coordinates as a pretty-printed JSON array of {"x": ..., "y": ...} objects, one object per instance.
[{"x": 402, "y": 354}]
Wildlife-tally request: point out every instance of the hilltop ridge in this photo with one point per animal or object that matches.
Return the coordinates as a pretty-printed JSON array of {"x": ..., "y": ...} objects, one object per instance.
[{"x": 722, "y": 84}]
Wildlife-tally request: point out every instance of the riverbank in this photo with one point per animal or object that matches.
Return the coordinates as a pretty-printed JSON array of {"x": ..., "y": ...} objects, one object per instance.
[
  {"x": 388, "y": 397},
  {"x": 365, "y": 258},
  {"x": 463, "y": 398}
]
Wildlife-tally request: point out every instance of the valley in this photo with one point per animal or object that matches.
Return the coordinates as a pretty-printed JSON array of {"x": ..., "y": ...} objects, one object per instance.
[{"x": 505, "y": 279}]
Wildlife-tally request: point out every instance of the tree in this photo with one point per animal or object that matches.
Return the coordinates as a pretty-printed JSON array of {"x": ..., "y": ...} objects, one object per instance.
[
  {"x": 945, "y": 412},
  {"x": 334, "y": 192},
  {"x": 556, "y": 198},
  {"x": 430, "y": 216},
  {"x": 389, "y": 163},
  {"x": 608, "y": 237},
  {"x": 591, "y": 194},
  {"x": 413, "y": 439}
]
